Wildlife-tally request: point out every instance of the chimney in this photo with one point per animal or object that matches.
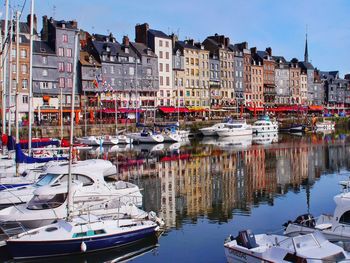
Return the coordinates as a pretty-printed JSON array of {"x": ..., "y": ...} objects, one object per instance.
[
  {"x": 269, "y": 51},
  {"x": 227, "y": 41},
  {"x": 74, "y": 24},
  {"x": 347, "y": 76},
  {"x": 253, "y": 50},
  {"x": 190, "y": 42},
  {"x": 126, "y": 41},
  {"x": 45, "y": 30},
  {"x": 141, "y": 33},
  {"x": 245, "y": 45},
  {"x": 35, "y": 22},
  {"x": 174, "y": 39}
]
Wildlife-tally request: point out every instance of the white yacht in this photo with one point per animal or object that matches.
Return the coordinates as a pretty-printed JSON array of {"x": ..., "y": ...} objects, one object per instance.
[
  {"x": 211, "y": 131},
  {"x": 146, "y": 136},
  {"x": 91, "y": 193},
  {"x": 235, "y": 142},
  {"x": 90, "y": 140},
  {"x": 334, "y": 228},
  {"x": 48, "y": 175},
  {"x": 250, "y": 248},
  {"x": 264, "y": 124},
  {"x": 236, "y": 128}
]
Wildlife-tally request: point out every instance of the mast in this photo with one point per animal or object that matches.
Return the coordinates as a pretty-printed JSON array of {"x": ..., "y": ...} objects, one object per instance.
[
  {"x": 9, "y": 97},
  {"x": 17, "y": 83},
  {"x": 70, "y": 194},
  {"x": 4, "y": 66},
  {"x": 61, "y": 112},
  {"x": 116, "y": 114},
  {"x": 30, "y": 101},
  {"x": 17, "y": 76}
]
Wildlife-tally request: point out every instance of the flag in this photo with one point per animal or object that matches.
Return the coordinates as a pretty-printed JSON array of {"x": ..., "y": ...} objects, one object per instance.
[{"x": 95, "y": 82}]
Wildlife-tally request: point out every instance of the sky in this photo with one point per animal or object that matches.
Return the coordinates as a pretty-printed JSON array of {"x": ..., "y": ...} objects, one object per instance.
[{"x": 280, "y": 24}]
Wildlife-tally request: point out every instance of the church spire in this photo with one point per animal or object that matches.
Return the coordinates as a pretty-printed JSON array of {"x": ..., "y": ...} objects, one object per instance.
[{"x": 306, "y": 54}]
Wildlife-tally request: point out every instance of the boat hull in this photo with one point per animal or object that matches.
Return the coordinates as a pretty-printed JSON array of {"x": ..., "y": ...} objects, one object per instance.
[
  {"x": 230, "y": 132},
  {"x": 40, "y": 249},
  {"x": 235, "y": 255}
]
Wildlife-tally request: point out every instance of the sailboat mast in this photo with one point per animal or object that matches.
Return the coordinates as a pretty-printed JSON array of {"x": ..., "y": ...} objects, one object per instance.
[
  {"x": 17, "y": 76},
  {"x": 116, "y": 114},
  {"x": 10, "y": 76},
  {"x": 70, "y": 194},
  {"x": 4, "y": 66},
  {"x": 30, "y": 101}
]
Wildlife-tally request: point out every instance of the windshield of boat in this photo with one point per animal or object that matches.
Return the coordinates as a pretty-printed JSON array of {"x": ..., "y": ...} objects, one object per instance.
[
  {"x": 49, "y": 179},
  {"x": 42, "y": 202}
]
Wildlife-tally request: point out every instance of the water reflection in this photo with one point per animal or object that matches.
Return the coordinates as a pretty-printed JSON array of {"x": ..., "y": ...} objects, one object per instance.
[{"x": 226, "y": 175}]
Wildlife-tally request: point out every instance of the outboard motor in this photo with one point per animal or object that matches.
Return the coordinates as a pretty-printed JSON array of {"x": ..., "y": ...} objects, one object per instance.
[{"x": 246, "y": 239}]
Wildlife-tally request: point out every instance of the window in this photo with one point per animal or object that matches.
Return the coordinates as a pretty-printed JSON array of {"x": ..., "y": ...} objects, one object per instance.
[
  {"x": 167, "y": 43},
  {"x": 160, "y": 43},
  {"x": 24, "y": 84},
  {"x": 60, "y": 52},
  {"x": 161, "y": 80},
  {"x": 69, "y": 83},
  {"x": 25, "y": 99},
  {"x": 23, "y": 53},
  {"x": 69, "y": 52},
  {"x": 167, "y": 81},
  {"x": 45, "y": 73},
  {"x": 112, "y": 81},
  {"x": 112, "y": 69},
  {"x": 149, "y": 72},
  {"x": 61, "y": 82},
  {"x": 65, "y": 38},
  {"x": 131, "y": 71},
  {"x": 60, "y": 66},
  {"x": 167, "y": 55},
  {"x": 160, "y": 54},
  {"x": 13, "y": 53},
  {"x": 69, "y": 67},
  {"x": 24, "y": 68},
  {"x": 167, "y": 67},
  {"x": 160, "y": 67},
  {"x": 14, "y": 68},
  {"x": 44, "y": 59}
]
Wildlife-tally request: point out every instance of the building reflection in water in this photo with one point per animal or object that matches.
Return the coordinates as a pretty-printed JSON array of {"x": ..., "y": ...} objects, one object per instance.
[{"x": 204, "y": 180}]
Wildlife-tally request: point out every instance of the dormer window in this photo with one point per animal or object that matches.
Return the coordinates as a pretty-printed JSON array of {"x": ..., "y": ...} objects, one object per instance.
[
  {"x": 104, "y": 57},
  {"x": 108, "y": 49},
  {"x": 112, "y": 58},
  {"x": 149, "y": 52},
  {"x": 126, "y": 50}
]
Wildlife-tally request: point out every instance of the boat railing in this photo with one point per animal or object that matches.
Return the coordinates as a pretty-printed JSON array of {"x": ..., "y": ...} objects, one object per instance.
[
  {"x": 12, "y": 229},
  {"x": 10, "y": 200}
]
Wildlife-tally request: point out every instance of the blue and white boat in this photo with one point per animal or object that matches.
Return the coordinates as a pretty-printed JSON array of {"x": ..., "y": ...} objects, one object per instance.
[{"x": 80, "y": 235}]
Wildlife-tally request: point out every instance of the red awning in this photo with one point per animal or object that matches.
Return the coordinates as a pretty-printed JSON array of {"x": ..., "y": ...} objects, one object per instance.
[
  {"x": 315, "y": 108},
  {"x": 255, "y": 109},
  {"x": 122, "y": 110},
  {"x": 173, "y": 109}
]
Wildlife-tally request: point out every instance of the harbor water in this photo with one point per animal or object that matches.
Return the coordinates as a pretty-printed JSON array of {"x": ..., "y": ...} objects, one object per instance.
[{"x": 207, "y": 189}]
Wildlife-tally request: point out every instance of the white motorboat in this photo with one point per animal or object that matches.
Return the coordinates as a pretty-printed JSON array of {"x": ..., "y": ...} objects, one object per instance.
[
  {"x": 48, "y": 175},
  {"x": 146, "y": 136},
  {"x": 171, "y": 135},
  {"x": 90, "y": 193},
  {"x": 250, "y": 248},
  {"x": 110, "y": 140},
  {"x": 212, "y": 130},
  {"x": 334, "y": 228},
  {"x": 91, "y": 140},
  {"x": 123, "y": 139},
  {"x": 236, "y": 128},
  {"x": 325, "y": 126},
  {"x": 265, "y": 138},
  {"x": 264, "y": 124}
]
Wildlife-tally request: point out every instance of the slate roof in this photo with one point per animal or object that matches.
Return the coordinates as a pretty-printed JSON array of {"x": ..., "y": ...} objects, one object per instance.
[
  {"x": 185, "y": 44},
  {"x": 306, "y": 65},
  {"x": 158, "y": 33},
  {"x": 85, "y": 59},
  {"x": 41, "y": 47},
  {"x": 116, "y": 49},
  {"x": 143, "y": 50},
  {"x": 23, "y": 27},
  {"x": 279, "y": 58}
]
